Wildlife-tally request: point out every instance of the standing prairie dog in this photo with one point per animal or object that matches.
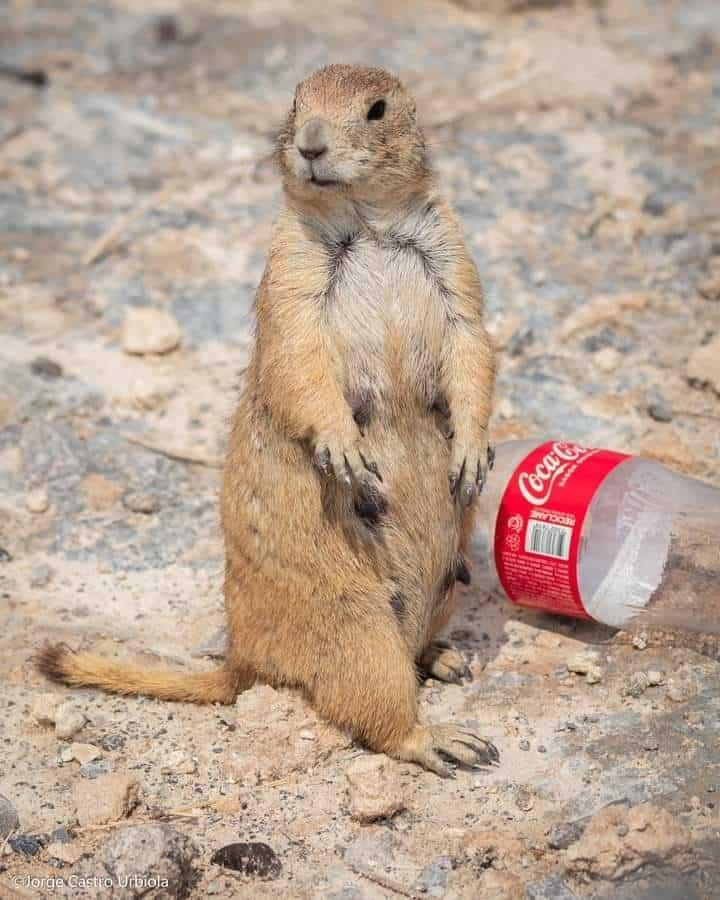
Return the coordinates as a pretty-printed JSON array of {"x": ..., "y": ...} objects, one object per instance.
[{"x": 360, "y": 441}]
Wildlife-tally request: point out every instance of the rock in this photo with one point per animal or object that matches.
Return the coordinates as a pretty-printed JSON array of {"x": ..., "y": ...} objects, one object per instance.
[
  {"x": 111, "y": 741},
  {"x": 37, "y": 501},
  {"x": 99, "y": 492},
  {"x": 371, "y": 852},
  {"x": 582, "y": 663},
  {"x": 5, "y": 555},
  {"x": 40, "y": 575},
  {"x": 9, "y": 819},
  {"x": 25, "y": 844},
  {"x": 709, "y": 287},
  {"x": 373, "y": 791},
  {"x": 524, "y": 744},
  {"x": 602, "y": 309},
  {"x": 594, "y": 675},
  {"x": 61, "y": 836},
  {"x": 678, "y": 693},
  {"x": 95, "y": 768},
  {"x": 654, "y": 677},
  {"x": 524, "y": 798},
  {"x": 84, "y": 753},
  {"x": 640, "y": 641},
  {"x": 703, "y": 368},
  {"x": 550, "y": 888},
  {"x": 105, "y": 799},
  {"x": 253, "y": 859},
  {"x": 636, "y": 685},
  {"x": 607, "y": 359},
  {"x": 44, "y": 708},
  {"x": 68, "y": 720},
  {"x": 606, "y": 850},
  {"x": 147, "y": 330},
  {"x": 658, "y": 408},
  {"x": 564, "y": 834},
  {"x": 47, "y": 368},
  {"x": 64, "y": 852},
  {"x": 148, "y": 853},
  {"x": 149, "y": 391},
  {"x": 179, "y": 762},
  {"x": 137, "y": 501}
]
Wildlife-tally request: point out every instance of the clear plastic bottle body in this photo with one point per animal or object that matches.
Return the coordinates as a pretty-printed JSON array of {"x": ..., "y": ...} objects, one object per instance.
[{"x": 649, "y": 547}]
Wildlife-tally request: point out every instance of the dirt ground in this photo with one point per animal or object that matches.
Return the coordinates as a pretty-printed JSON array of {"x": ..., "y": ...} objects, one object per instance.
[{"x": 580, "y": 145}]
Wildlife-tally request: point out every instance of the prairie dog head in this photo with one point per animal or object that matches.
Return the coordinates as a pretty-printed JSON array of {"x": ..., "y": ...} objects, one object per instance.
[{"x": 352, "y": 131}]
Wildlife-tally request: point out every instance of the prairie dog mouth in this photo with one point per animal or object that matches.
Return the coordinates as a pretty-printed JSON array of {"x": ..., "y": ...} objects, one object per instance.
[{"x": 323, "y": 182}]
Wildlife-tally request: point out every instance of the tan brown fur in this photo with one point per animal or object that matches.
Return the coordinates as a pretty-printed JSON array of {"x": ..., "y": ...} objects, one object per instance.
[{"x": 360, "y": 441}]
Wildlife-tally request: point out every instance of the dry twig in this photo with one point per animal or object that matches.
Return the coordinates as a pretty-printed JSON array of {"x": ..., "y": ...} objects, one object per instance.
[{"x": 182, "y": 455}]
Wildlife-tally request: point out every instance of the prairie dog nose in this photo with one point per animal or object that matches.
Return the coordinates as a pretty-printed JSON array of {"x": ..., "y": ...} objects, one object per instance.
[{"x": 312, "y": 139}]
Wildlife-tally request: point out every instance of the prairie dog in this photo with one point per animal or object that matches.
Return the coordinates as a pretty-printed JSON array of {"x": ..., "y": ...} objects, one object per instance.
[{"x": 360, "y": 440}]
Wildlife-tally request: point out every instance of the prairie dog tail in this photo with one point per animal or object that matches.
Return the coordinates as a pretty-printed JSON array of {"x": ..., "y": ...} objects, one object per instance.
[{"x": 59, "y": 663}]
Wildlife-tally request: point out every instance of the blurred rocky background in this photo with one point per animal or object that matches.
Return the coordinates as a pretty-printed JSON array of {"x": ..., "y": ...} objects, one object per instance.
[{"x": 580, "y": 143}]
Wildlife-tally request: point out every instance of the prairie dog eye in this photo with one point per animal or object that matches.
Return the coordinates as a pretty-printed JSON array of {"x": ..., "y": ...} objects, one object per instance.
[{"x": 377, "y": 110}]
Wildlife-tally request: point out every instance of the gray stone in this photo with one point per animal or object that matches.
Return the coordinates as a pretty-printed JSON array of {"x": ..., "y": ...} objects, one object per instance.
[
  {"x": 658, "y": 408},
  {"x": 140, "y": 502},
  {"x": 564, "y": 834},
  {"x": 147, "y": 852},
  {"x": 25, "y": 844},
  {"x": 551, "y": 888},
  {"x": 9, "y": 819}
]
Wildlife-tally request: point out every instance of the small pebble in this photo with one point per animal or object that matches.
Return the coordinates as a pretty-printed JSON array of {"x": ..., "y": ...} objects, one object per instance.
[
  {"x": 45, "y": 367},
  {"x": 254, "y": 859},
  {"x": 524, "y": 744},
  {"x": 658, "y": 408},
  {"x": 640, "y": 641},
  {"x": 111, "y": 741},
  {"x": 594, "y": 675},
  {"x": 5, "y": 555},
  {"x": 637, "y": 684},
  {"x": 137, "y": 501},
  {"x": 68, "y": 721},
  {"x": 25, "y": 844},
  {"x": 650, "y": 743},
  {"x": 541, "y": 748},
  {"x": 677, "y": 693},
  {"x": 37, "y": 501},
  {"x": 524, "y": 799},
  {"x": 561, "y": 836},
  {"x": 654, "y": 677},
  {"x": 622, "y": 829}
]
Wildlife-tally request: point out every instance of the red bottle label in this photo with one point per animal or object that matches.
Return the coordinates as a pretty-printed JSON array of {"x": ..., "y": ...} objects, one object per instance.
[{"x": 539, "y": 524}]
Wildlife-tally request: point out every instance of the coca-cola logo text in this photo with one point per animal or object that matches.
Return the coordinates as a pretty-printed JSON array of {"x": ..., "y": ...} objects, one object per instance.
[{"x": 536, "y": 486}]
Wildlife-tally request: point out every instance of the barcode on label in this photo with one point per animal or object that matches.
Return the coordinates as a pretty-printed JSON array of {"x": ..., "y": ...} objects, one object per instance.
[{"x": 548, "y": 540}]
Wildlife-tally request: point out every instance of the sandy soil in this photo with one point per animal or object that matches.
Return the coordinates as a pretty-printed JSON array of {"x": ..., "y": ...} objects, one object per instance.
[{"x": 579, "y": 143}]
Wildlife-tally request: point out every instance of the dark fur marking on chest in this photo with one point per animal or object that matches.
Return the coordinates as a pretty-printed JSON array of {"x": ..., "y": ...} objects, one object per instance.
[
  {"x": 398, "y": 602},
  {"x": 432, "y": 259},
  {"x": 338, "y": 252}
]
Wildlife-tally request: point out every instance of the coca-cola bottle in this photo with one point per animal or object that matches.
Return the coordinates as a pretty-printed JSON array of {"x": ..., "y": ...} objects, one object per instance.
[{"x": 601, "y": 535}]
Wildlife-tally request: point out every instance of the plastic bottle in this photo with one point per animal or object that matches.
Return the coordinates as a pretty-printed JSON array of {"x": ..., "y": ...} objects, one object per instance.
[{"x": 601, "y": 535}]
